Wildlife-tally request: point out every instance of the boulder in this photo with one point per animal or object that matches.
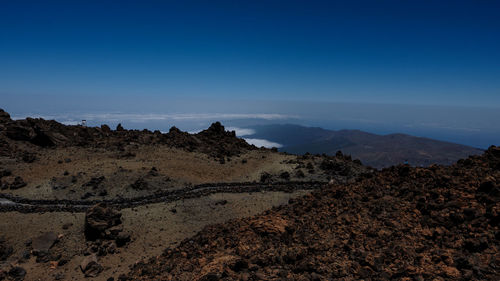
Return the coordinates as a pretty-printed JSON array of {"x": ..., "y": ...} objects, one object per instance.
[
  {"x": 105, "y": 128},
  {"x": 102, "y": 222},
  {"x": 265, "y": 177},
  {"x": 122, "y": 239},
  {"x": 94, "y": 182},
  {"x": 17, "y": 273},
  {"x": 4, "y": 173},
  {"x": 17, "y": 183},
  {"x": 269, "y": 226},
  {"x": 140, "y": 184},
  {"x": 20, "y": 133},
  {"x": 90, "y": 266},
  {"x": 44, "y": 242}
]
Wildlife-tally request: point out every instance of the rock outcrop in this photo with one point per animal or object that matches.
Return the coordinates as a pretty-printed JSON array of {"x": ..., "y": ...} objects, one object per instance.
[
  {"x": 214, "y": 141},
  {"x": 104, "y": 230}
]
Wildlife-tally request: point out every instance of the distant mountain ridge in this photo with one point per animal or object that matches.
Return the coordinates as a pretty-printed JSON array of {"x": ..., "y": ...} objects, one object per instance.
[{"x": 378, "y": 151}]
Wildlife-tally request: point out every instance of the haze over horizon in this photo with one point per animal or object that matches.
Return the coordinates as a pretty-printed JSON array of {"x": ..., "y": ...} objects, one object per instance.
[{"x": 424, "y": 68}]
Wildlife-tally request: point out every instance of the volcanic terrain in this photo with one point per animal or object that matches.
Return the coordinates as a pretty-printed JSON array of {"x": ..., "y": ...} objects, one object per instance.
[
  {"x": 82, "y": 202},
  {"x": 403, "y": 223},
  {"x": 94, "y": 203}
]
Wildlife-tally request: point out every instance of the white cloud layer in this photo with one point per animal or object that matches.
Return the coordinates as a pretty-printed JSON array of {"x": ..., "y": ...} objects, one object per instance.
[
  {"x": 240, "y": 132},
  {"x": 145, "y": 117},
  {"x": 264, "y": 143}
]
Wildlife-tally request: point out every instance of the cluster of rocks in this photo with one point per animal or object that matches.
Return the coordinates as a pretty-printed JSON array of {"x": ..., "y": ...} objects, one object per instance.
[
  {"x": 96, "y": 186},
  {"x": 215, "y": 141},
  {"x": 142, "y": 183},
  {"x": 14, "y": 273},
  {"x": 104, "y": 234},
  {"x": 40, "y": 247},
  {"x": 401, "y": 223},
  {"x": 7, "y": 181}
]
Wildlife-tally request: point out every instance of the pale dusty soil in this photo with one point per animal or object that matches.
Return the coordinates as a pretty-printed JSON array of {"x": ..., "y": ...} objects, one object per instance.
[
  {"x": 176, "y": 168},
  {"x": 154, "y": 227}
]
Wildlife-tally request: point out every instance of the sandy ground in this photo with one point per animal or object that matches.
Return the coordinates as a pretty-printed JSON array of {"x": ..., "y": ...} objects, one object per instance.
[
  {"x": 154, "y": 228},
  {"x": 63, "y": 173}
]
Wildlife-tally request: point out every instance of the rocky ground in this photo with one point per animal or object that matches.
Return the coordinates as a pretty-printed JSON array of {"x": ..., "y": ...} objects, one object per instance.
[
  {"x": 402, "y": 223},
  {"x": 151, "y": 227},
  {"x": 81, "y": 203},
  {"x": 76, "y": 162},
  {"x": 158, "y": 190}
]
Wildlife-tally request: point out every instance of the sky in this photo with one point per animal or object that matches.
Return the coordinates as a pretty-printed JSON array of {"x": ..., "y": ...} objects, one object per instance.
[{"x": 143, "y": 56}]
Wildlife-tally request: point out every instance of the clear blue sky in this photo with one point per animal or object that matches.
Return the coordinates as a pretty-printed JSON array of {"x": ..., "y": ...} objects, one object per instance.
[{"x": 408, "y": 52}]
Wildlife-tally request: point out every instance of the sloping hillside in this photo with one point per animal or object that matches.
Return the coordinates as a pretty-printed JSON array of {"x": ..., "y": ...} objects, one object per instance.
[
  {"x": 374, "y": 150},
  {"x": 401, "y": 223}
]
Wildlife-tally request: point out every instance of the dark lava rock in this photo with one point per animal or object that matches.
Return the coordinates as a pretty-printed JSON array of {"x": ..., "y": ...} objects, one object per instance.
[
  {"x": 4, "y": 173},
  {"x": 122, "y": 239},
  {"x": 28, "y": 157},
  {"x": 95, "y": 182},
  {"x": 44, "y": 242},
  {"x": 153, "y": 172},
  {"x": 17, "y": 183},
  {"x": 221, "y": 202},
  {"x": 104, "y": 223},
  {"x": 87, "y": 195},
  {"x": 5, "y": 249},
  {"x": 90, "y": 266},
  {"x": 140, "y": 184},
  {"x": 285, "y": 175},
  {"x": 119, "y": 128},
  {"x": 300, "y": 174},
  {"x": 4, "y": 116},
  {"x": 26, "y": 255},
  {"x": 17, "y": 273},
  {"x": 105, "y": 128},
  {"x": 265, "y": 177},
  {"x": 99, "y": 219}
]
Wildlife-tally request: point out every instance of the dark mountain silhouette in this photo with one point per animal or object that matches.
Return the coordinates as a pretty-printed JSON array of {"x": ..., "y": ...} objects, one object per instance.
[{"x": 374, "y": 150}]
